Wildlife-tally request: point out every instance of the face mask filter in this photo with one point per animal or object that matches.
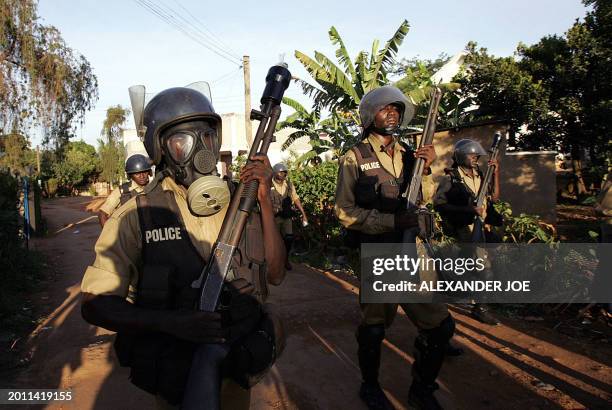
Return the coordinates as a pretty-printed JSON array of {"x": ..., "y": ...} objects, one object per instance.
[
  {"x": 193, "y": 159},
  {"x": 208, "y": 195}
]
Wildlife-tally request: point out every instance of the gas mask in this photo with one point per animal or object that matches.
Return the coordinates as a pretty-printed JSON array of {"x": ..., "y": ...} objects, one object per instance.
[{"x": 191, "y": 150}]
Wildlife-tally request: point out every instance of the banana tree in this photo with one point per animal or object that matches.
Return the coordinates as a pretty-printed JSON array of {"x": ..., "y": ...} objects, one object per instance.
[
  {"x": 341, "y": 89},
  {"x": 327, "y": 135},
  {"x": 338, "y": 88}
]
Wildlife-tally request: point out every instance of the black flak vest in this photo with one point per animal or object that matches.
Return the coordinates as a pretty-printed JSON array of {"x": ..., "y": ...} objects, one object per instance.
[
  {"x": 459, "y": 195},
  {"x": 160, "y": 363},
  {"x": 376, "y": 188},
  {"x": 126, "y": 193}
]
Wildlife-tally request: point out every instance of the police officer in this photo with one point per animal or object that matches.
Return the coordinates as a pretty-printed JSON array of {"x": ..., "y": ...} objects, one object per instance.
[
  {"x": 153, "y": 248},
  {"x": 372, "y": 176},
  {"x": 454, "y": 199},
  {"x": 138, "y": 170},
  {"x": 283, "y": 195}
]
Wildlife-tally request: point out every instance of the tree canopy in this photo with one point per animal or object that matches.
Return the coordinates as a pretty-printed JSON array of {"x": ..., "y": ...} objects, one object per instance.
[
  {"x": 112, "y": 153},
  {"x": 17, "y": 154},
  {"x": 80, "y": 162},
  {"x": 42, "y": 80},
  {"x": 558, "y": 89}
]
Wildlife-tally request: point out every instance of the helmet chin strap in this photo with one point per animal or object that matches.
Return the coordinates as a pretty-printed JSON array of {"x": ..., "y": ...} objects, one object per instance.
[{"x": 385, "y": 131}]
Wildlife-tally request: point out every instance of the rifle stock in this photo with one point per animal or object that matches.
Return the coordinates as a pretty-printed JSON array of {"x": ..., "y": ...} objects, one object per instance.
[{"x": 203, "y": 386}]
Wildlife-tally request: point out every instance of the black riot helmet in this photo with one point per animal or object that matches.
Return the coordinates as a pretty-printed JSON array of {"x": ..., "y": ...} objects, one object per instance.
[
  {"x": 137, "y": 163},
  {"x": 378, "y": 98},
  {"x": 171, "y": 107}
]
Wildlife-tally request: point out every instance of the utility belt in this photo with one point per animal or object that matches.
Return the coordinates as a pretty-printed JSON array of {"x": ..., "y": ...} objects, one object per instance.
[{"x": 425, "y": 230}]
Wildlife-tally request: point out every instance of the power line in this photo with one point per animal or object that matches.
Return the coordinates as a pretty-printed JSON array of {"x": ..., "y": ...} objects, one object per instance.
[
  {"x": 199, "y": 22},
  {"x": 170, "y": 19},
  {"x": 226, "y": 77},
  {"x": 210, "y": 38}
]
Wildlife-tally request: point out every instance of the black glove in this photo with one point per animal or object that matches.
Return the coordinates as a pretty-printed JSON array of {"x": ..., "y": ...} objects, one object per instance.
[
  {"x": 406, "y": 219},
  {"x": 240, "y": 311},
  {"x": 194, "y": 326}
]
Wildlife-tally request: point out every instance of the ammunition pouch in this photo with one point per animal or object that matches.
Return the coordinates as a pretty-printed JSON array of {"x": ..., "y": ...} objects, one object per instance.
[
  {"x": 251, "y": 357},
  {"x": 493, "y": 218},
  {"x": 427, "y": 226},
  {"x": 159, "y": 363},
  {"x": 384, "y": 196}
]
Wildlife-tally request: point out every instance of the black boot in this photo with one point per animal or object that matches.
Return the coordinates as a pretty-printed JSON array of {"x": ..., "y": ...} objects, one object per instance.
[
  {"x": 421, "y": 396},
  {"x": 374, "y": 397},
  {"x": 369, "y": 339},
  {"x": 481, "y": 313},
  {"x": 430, "y": 349},
  {"x": 452, "y": 350}
]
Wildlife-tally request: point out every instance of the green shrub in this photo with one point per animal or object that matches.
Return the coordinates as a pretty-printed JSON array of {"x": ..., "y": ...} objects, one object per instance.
[
  {"x": 524, "y": 228},
  {"x": 316, "y": 187},
  {"x": 52, "y": 186},
  {"x": 19, "y": 267}
]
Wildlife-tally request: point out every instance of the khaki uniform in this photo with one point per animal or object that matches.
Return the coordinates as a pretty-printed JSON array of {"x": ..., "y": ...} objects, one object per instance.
[
  {"x": 463, "y": 234},
  {"x": 372, "y": 221},
  {"x": 114, "y": 199},
  {"x": 118, "y": 258},
  {"x": 281, "y": 190}
]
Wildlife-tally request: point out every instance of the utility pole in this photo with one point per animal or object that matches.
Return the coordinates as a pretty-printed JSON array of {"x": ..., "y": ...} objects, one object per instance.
[
  {"x": 247, "y": 99},
  {"x": 38, "y": 159}
]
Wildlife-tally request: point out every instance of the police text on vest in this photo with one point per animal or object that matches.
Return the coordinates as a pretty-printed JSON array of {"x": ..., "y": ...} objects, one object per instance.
[
  {"x": 163, "y": 234},
  {"x": 369, "y": 165}
]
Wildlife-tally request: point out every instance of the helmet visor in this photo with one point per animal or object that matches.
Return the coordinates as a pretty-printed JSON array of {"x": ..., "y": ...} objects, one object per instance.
[{"x": 180, "y": 146}]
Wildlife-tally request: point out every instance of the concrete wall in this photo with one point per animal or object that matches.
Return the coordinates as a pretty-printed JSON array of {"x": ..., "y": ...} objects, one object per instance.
[{"x": 527, "y": 178}]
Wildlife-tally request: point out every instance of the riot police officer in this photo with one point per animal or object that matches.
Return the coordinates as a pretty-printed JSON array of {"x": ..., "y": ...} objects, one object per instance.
[
  {"x": 283, "y": 196},
  {"x": 138, "y": 170},
  {"x": 372, "y": 176},
  {"x": 454, "y": 199},
  {"x": 154, "y": 247}
]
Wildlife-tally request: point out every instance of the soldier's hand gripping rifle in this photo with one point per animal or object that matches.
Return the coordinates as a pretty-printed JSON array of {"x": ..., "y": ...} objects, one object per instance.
[
  {"x": 204, "y": 384},
  {"x": 478, "y": 233},
  {"x": 412, "y": 194}
]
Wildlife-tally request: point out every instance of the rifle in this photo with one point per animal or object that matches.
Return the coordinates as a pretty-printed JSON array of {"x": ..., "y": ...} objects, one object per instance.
[
  {"x": 204, "y": 383},
  {"x": 412, "y": 193},
  {"x": 478, "y": 233}
]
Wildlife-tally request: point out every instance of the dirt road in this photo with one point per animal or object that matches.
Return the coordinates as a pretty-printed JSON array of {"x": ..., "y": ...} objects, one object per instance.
[{"x": 519, "y": 365}]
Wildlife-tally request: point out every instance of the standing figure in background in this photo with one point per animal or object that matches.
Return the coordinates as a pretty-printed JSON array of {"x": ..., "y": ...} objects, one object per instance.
[
  {"x": 371, "y": 179},
  {"x": 283, "y": 196},
  {"x": 138, "y": 169},
  {"x": 455, "y": 198}
]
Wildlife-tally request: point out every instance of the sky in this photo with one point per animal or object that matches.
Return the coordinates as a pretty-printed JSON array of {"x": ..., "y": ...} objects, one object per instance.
[{"x": 126, "y": 44}]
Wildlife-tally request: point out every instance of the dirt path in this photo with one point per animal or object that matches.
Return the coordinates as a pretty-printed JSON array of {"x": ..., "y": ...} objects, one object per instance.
[{"x": 518, "y": 365}]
